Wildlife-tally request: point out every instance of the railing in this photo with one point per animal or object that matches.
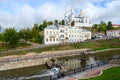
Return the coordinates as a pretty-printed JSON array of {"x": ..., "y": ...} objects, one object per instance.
[
  {"x": 6, "y": 60},
  {"x": 79, "y": 69}
]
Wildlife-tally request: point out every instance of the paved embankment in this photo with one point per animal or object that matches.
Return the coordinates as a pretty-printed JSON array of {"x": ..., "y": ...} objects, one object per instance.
[
  {"x": 89, "y": 73},
  {"x": 32, "y": 59}
]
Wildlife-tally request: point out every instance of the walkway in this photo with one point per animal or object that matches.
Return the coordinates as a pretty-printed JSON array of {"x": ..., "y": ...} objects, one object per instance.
[{"x": 88, "y": 73}]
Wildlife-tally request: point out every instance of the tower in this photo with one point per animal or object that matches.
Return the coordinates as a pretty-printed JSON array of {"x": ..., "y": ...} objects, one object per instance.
[
  {"x": 72, "y": 14},
  {"x": 81, "y": 14},
  {"x": 65, "y": 17}
]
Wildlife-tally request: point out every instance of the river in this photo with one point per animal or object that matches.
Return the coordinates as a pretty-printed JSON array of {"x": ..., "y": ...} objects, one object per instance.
[{"x": 30, "y": 73}]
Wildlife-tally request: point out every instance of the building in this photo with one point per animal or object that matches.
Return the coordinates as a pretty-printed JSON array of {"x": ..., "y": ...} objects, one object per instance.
[
  {"x": 116, "y": 25},
  {"x": 81, "y": 20},
  {"x": 59, "y": 34},
  {"x": 113, "y": 33}
]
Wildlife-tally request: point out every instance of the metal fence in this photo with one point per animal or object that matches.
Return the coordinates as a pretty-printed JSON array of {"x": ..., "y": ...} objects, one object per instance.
[
  {"x": 14, "y": 59},
  {"x": 77, "y": 70}
]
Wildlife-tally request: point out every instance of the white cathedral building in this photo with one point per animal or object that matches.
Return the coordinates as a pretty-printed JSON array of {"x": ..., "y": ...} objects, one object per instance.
[
  {"x": 60, "y": 34},
  {"x": 81, "y": 20}
]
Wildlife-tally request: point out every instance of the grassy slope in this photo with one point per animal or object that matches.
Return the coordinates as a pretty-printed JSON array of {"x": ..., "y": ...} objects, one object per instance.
[
  {"x": 109, "y": 74},
  {"x": 96, "y": 45}
]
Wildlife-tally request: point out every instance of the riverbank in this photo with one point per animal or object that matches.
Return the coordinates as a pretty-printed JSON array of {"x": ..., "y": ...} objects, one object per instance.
[
  {"x": 89, "y": 73},
  {"x": 95, "y": 45},
  {"x": 23, "y": 71}
]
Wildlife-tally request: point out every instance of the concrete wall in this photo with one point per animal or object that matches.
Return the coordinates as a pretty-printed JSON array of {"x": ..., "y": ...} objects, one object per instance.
[{"x": 36, "y": 59}]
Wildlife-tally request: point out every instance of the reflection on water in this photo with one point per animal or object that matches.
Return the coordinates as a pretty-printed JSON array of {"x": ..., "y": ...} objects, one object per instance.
[
  {"x": 75, "y": 63},
  {"x": 70, "y": 63}
]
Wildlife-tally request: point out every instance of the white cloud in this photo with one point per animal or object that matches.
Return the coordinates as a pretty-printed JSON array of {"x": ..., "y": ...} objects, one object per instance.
[{"x": 26, "y": 15}]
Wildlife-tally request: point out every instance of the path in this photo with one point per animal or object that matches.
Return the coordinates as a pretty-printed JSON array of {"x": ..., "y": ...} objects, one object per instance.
[{"x": 89, "y": 73}]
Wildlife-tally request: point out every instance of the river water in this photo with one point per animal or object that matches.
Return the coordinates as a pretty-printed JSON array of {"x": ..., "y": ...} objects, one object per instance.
[{"x": 31, "y": 73}]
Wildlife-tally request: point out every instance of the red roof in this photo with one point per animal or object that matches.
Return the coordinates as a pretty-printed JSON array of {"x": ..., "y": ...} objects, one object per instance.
[
  {"x": 115, "y": 24},
  {"x": 113, "y": 30}
]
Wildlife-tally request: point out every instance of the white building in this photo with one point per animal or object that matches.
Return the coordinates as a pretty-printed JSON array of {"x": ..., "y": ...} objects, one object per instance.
[
  {"x": 113, "y": 33},
  {"x": 81, "y": 20},
  {"x": 64, "y": 34}
]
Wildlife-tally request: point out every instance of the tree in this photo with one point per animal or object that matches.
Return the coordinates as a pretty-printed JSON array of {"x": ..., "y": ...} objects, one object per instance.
[
  {"x": 11, "y": 36},
  {"x": 72, "y": 23},
  {"x": 43, "y": 25},
  {"x": 49, "y": 23},
  {"x": 95, "y": 26},
  {"x": 1, "y": 37},
  {"x": 25, "y": 34},
  {"x": 102, "y": 27},
  {"x": 109, "y": 26},
  {"x": 35, "y": 32},
  {"x": 63, "y": 22}
]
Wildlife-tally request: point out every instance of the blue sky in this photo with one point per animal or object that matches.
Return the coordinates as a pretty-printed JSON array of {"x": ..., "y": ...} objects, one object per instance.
[{"x": 22, "y": 13}]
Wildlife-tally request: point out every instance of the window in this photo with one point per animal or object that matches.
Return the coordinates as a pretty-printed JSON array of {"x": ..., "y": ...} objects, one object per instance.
[
  {"x": 57, "y": 39},
  {"x": 53, "y": 39},
  {"x": 53, "y": 32},
  {"x": 62, "y": 31},
  {"x": 50, "y": 39},
  {"x": 50, "y": 32},
  {"x": 47, "y": 32},
  {"x": 47, "y": 39},
  {"x": 62, "y": 36}
]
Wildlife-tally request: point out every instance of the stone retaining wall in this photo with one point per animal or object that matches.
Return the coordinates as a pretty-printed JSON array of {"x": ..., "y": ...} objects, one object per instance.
[{"x": 7, "y": 63}]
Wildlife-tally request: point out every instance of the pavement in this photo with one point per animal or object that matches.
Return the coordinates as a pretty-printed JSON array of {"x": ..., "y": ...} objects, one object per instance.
[{"x": 89, "y": 73}]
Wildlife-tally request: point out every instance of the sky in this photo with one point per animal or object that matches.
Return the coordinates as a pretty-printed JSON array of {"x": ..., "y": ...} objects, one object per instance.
[{"x": 24, "y": 13}]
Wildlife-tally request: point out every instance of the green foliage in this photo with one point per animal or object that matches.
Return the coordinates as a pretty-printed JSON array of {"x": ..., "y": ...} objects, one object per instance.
[
  {"x": 109, "y": 26},
  {"x": 25, "y": 34},
  {"x": 1, "y": 37},
  {"x": 35, "y": 32},
  {"x": 102, "y": 27},
  {"x": 109, "y": 74},
  {"x": 63, "y": 22},
  {"x": 95, "y": 26},
  {"x": 72, "y": 23},
  {"x": 49, "y": 23},
  {"x": 39, "y": 39},
  {"x": 44, "y": 25},
  {"x": 11, "y": 36}
]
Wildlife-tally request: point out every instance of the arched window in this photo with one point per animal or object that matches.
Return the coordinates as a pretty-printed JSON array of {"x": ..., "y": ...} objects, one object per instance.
[{"x": 47, "y": 39}]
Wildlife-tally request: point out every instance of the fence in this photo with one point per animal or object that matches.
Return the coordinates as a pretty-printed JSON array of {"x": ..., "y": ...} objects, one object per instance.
[
  {"x": 70, "y": 53},
  {"x": 79, "y": 69}
]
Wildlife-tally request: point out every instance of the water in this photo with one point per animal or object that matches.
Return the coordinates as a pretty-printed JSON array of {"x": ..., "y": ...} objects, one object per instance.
[{"x": 36, "y": 72}]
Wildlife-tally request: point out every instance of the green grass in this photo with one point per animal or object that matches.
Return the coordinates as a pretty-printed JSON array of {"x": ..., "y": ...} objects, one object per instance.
[
  {"x": 108, "y": 74},
  {"x": 8, "y": 47},
  {"x": 95, "y": 45}
]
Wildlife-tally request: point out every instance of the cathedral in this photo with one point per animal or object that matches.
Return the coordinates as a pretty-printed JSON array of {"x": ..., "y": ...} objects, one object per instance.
[
  {"x": 81, "y": 20},
  {"x": 61, "y": 34}
]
